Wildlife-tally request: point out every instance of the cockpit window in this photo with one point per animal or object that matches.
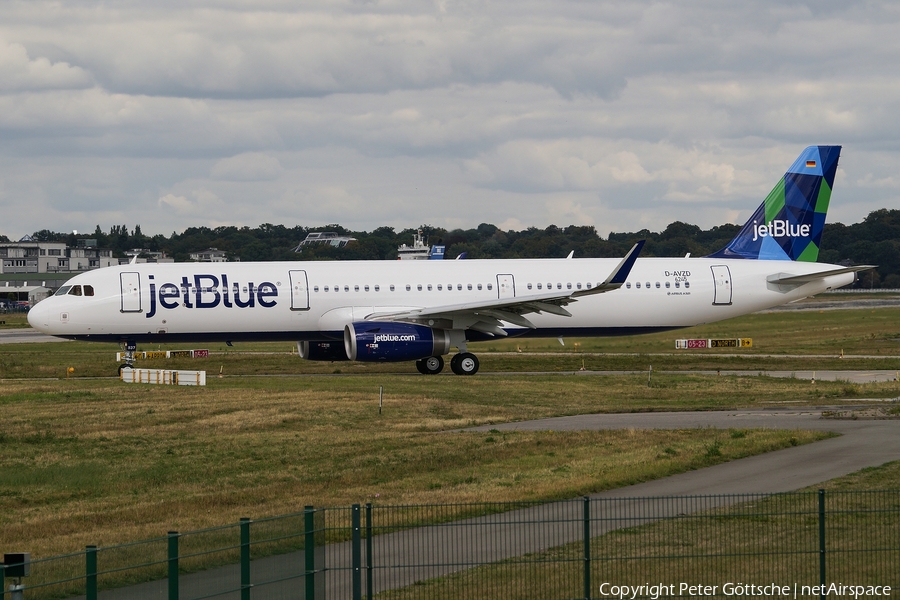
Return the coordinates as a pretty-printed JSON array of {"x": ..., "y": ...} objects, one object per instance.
[
  {"x": 63, "y": 290},
  {"x": 75, "y": 291},
  {"x": 88, "y": 290}
]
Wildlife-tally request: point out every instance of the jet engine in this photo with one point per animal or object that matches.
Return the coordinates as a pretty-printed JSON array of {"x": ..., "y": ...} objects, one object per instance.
[
  {"x": 322, "y": 350},
  {"x": 373, "y": 341}
]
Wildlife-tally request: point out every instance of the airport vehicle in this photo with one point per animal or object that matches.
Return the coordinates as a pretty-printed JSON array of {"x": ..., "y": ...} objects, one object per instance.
[{"x": 420, "y": 310}]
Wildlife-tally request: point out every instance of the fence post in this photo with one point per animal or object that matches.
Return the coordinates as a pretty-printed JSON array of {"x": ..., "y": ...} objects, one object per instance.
[
  {"x": 822, "y": 543},
  {"x": 369, "y": 567},
  {"x": 245, "y": 558},
  {"x": 586, "y": 503},
  {"x": 356, "y": 551},
  {"x": 309, "y": 549},
  {"x": 173, "y": 565},
  {"x": 90, "y": 573}
]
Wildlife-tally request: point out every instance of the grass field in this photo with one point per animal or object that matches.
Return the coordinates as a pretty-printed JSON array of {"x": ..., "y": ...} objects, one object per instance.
[{"x": 90, "y": 460}]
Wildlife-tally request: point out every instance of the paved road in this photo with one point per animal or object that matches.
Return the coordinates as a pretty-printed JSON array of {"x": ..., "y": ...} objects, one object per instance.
[
  {"x": 863, "y": 443},
  {"x": 25, "y": 335}
]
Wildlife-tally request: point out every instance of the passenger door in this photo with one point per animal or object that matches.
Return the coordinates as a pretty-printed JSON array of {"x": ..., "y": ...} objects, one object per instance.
[
  {"x": 130, "y": 292},
  {"x": 722, "y": 279}
]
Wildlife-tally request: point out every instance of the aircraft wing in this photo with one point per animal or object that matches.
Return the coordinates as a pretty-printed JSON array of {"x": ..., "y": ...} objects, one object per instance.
[
  {"x": 788, "y": 279},
  {"x": 487, "y": 316}
]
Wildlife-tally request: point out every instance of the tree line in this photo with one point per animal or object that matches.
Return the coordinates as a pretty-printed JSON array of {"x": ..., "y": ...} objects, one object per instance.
[{"x": 874, "y": 240}]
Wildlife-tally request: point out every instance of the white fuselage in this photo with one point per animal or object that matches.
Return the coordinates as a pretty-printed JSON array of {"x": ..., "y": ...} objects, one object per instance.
[{"x": 315, "y": 300}]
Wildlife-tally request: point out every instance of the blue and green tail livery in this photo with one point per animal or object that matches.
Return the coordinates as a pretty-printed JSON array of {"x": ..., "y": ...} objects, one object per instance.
[{"x": 788, "y": 224}]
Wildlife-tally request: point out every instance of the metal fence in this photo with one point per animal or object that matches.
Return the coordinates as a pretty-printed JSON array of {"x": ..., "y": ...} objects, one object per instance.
[{"x": 605, "y": 547}]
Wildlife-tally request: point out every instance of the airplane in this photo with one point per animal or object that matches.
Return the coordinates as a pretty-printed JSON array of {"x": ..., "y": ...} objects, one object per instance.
[{"x": 387, "y": 311}]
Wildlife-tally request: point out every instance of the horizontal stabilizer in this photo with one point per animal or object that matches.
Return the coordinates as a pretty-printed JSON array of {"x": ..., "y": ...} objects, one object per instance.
[{"x": 788, "y": 279}]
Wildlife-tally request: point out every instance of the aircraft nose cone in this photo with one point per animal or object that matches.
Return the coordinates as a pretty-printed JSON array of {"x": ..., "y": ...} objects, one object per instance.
[{"x": 37, "y": 317}]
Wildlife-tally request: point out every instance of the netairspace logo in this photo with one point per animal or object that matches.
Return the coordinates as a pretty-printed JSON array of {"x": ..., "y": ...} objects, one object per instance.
[
  {"x": 743, "y": 590},
  {"x": 778, "y": 228}
]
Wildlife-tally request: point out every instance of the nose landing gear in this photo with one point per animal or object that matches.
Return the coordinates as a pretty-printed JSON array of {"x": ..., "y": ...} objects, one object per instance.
[{"x": 130, "y": 348}]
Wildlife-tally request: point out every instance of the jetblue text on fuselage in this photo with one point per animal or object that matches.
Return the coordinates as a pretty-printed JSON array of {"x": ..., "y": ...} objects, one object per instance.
[
  {"x": 209, "y": 291},
  {"x": 779, "y": 228}
]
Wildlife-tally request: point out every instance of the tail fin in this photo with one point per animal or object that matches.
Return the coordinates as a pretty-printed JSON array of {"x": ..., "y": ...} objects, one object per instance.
[{"x": 788, "y": 224}]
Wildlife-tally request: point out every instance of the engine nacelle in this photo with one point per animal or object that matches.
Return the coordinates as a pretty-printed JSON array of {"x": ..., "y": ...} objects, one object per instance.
[
  {"x": 322, "y": 350},
  {"x": 372, "y": 341}
]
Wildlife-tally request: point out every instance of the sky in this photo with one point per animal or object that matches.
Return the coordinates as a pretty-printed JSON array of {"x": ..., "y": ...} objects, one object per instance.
[{"x": 621, "y": 115}]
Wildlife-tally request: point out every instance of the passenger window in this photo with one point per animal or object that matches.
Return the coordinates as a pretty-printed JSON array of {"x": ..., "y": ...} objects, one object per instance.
[
  {"x": 469, "y": 286},
  {"x": 392, "y": 287},
  {"x": 347, "y": 288},
  {"x": 637, "y": 285},
  {"x": 377, "y": 288},
  {"x": 408, "y": 287},
  {"x": 628, "y": 285},
  {"x": 677, "y": 284},
  {"x": 458, "y": 287},
  {"x": 479, "y": 287},
  {"x": 429, "y": 287},
  {"x": 687, "y": 284},
  {"x": 559, "y": 286},
  {"x": 490, "y": 286},
  {"x": 668, "y": 285},
  {"x": 529, "y": 286},
  {"x": 355, "y": 288},
  {"x": 539, "y": 286},
  {"x": 657, "y": 285},
  {"x": 648, "y": 285},
  {"x": 441, "y": 288},
  {"x": 568, "y": 286},
  {"x": 419, "y": 287},
  {"x": 315, "y": 288}
]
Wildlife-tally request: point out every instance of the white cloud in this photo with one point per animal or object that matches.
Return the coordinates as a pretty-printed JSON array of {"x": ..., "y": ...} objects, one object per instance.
[
  {"x": 19, "y": 72},
  {"x": 623, "y": 115},
  {"x": 249, "y": 166},
  {"x": 201, "y": 203}
]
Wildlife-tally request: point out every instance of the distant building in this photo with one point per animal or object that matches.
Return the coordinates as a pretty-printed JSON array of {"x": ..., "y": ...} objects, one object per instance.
[
  {"x": 420, "y": 250},
  {"x": 86, "y": 258},
  {"x": 324, "y": 237},
  {"x": 209, "y": 255},
  {"x": 29, "y": 256},
  {"x": 20, "y": 296}
]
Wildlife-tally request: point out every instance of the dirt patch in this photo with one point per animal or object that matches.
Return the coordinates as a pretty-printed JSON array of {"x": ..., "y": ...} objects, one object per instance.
[{"x": 869, "y": 412}]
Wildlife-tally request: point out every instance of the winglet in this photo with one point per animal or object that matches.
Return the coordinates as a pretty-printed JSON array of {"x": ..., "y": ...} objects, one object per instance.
[
  {"x": 617, "y": 278},
  {"x": 620, "y": 274}
]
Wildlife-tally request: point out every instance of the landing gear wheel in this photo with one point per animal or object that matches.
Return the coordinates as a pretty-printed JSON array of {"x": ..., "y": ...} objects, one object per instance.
[
  {"x": 464, "y": 363},
  {"x": 430, "y": 366}
]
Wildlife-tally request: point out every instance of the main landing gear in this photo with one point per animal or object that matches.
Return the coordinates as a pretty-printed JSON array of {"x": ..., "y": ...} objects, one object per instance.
[
  {"x": 464, "y": 363},
  {"x": 430, "y": 366}
]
